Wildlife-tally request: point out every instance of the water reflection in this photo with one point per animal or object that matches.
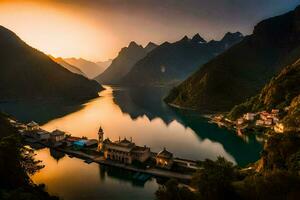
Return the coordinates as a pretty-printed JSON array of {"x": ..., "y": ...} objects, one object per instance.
[
  {"x": 40, "y": 111},
  {"x": 72, "y": 179},
  {"x": 103, "y": 111},
  {"x": 57, "y": 155},
  {"x": 141, "y": 114},
  {"x": 148, "y": 101},
  {"x": 121, "y": 175},
  {"x": 139, "y": 102}
]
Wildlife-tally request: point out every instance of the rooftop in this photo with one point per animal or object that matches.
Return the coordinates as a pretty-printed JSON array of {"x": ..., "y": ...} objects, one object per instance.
[
  {"x": 165, "y": 154},
  {"x": 32, "y": 124},
  {"x": 57, "y": 132},
  {"x": 140, "y": 149}
]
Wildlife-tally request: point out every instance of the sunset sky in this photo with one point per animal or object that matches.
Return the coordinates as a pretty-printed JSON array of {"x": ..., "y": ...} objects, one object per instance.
[{"x": 96, "y": 30}]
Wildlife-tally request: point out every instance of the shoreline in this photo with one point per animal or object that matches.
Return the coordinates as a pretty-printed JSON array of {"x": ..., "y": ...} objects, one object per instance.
[{"x": 155, "y": 172}]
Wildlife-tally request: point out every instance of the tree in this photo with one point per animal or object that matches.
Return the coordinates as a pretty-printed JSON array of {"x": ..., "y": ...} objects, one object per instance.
[
  {"x": 172, "y": 191},
  {"x": 214, "y": 181}
]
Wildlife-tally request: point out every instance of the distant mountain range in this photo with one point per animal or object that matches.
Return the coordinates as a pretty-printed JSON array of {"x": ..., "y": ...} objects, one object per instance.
[
  {"x": 244, "y": 69},
  {"x": 68, "y": 66},
  {"x": 171, "y": 63},
  {"x": 123, "y": 63},
  {"x": 89, "y": 68},
  {"x": 26, "y": 73}
]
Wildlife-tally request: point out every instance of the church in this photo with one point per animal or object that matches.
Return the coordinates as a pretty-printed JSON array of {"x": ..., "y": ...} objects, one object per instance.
[{"x": 124, "y": 151}]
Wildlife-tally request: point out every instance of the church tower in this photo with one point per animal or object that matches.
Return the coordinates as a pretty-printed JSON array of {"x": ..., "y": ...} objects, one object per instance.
[{"x": 100, "y": 138}]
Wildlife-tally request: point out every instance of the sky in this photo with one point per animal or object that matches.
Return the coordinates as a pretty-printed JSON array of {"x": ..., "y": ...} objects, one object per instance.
[{"x": 98, "y": 29}]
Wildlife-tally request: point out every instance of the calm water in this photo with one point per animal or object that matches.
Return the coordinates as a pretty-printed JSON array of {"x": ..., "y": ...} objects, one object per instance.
[
  {"x": 72, "y": 179},
  {"x": 124, "y": 112}
]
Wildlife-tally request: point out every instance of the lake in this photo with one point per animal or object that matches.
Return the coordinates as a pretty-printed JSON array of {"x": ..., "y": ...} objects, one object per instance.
[{"x": 139, "y": 114}]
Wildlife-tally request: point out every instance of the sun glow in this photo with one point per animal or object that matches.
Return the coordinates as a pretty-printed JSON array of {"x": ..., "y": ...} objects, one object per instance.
[{"x": 56, "y": 30}]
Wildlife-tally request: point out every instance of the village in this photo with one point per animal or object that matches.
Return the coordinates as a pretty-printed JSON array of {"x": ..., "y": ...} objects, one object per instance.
[
  {"x": 252, "y": 122},
  {"x": 123, "y": 153}
]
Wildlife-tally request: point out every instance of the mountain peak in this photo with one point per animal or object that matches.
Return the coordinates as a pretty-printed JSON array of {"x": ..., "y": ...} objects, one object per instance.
[
  {"x": 133, "y": 44},
  {"x": 198, "y": 39},
  {"x": 229, "y": 36},
  {"x": 150, "y": 46},
  {"x": 184, "y": 39}
]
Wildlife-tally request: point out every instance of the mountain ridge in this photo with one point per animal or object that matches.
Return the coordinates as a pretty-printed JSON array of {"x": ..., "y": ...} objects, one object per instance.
[
  {"x": 91, "y": 69},
  {"x": 170, "y": 63},
  {"x": 242, "y": 70},
  {"x": 26, "y": 73},
  {"x": 123, "y": 63}
]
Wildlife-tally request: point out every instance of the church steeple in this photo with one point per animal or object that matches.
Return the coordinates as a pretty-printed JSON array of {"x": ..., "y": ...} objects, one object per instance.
[{"x": 100, "y": 138}]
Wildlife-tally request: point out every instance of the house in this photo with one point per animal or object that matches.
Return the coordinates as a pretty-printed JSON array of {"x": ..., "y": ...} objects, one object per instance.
[
  {"x": 275, "y": 120},
  {"x": 269, "y": 121},
  {"x": 249, "y": 116},
  {"x": 275, "y": 111},
  {"x": 259, "y": 122},
  {"x": 264, "y": 115},
  {"x": 33, "y": 126},
  {"x": 57, "y": 136},
  {"x": 42, "y": 135},
  {"x": 279, "y": 128},
  {"x": 239, "y": 121},
  {"x": 164, "y": 159}
]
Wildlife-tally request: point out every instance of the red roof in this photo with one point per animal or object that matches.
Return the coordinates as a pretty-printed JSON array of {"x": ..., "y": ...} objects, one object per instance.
[{"x": 73, "y": 139}]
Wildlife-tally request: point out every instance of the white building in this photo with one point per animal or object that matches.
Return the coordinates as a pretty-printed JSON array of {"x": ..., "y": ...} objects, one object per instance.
[
  {"x": 259, "y": 122},
  {"x": 249, "y": 116}
]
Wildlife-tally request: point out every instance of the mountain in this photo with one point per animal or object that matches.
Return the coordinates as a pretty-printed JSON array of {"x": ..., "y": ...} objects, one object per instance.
[
  {"x": 281, "y": 92},
  {"x": 26, "y": 73},
  {"x": 89, "y": 68},
  {"x": 150, "y": 46},
  {"x": 123, "y": 63},
  {"x": 103, "y": 65},
  {"x": 66, "y": 65},
  {"x": 242, "y": 70},
  {"x": 171, "y": 63}
]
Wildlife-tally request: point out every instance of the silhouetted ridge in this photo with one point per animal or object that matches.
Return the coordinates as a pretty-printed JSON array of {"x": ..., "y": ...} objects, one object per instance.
[
  {"x": 229, "y": 37},
  {"x": 122, "y": 64},
  {"x": 170, "y": 63},
  {"x": 197, "y": 38},
  {"x": 28, "y": 73},
  {"x": 150, "y": 46},
  {"x": 242, "y": 70},
  {"x": 184, "y": 39}
]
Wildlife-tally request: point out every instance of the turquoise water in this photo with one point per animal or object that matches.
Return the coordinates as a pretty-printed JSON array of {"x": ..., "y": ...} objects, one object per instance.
[{"x": 124, "y": 112}]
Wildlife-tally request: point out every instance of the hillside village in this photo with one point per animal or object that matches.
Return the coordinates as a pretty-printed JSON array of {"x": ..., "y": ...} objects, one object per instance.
[{"x": 259, "y": 121}]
